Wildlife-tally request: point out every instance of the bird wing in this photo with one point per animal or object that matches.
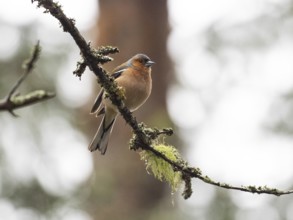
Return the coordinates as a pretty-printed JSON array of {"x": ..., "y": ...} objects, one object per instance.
[
  {"x": 116, "y": 73},
  {"x": 119, "y": 70}
]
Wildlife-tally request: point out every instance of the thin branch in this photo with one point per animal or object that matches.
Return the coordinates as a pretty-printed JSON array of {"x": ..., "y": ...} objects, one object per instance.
[
  {"x": 28, "y": 66},
  {"x": 14, "y": 101},
  {"x": 197, "y": 173},
  {"x": 143, "y": 136}
]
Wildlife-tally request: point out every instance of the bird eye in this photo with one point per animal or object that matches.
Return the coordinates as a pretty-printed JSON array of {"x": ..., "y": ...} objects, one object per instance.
[{"x": 143, "y": 60}]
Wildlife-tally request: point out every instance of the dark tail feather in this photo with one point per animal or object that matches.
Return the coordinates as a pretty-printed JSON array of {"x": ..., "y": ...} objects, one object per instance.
[
  {"x": 101, "y": 138},
  {"x": 97, "y": 102}
]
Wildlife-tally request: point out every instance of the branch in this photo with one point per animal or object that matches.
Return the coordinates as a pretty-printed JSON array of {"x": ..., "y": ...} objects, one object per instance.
[
  {"x": 144, "y": 138},
  {"x": 14, "y": 101},
  {"x": 191, "y": 172}
]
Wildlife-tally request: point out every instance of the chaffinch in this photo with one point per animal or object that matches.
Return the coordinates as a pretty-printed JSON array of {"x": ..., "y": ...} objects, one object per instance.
[{"x": 134, "y": 76}]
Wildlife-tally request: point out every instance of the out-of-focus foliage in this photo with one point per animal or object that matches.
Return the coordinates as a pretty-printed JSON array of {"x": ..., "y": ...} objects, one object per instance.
[
  {"x": 225, "y": 55},
  {"x": 30, "y": 167}
]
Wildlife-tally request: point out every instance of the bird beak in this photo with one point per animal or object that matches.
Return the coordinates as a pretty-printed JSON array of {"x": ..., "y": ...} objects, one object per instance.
[{"x": 149, "y": 63}]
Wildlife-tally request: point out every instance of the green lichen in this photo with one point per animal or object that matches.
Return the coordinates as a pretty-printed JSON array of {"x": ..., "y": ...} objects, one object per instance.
[
  {"x": 161, "y": 169},
  {"x": 32, "y": 97}
]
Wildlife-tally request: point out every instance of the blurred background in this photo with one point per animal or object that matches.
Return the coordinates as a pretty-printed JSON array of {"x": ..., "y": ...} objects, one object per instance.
[{"x": 223, "y": 80}]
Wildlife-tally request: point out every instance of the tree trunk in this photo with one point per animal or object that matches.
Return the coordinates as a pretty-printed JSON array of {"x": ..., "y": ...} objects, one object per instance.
[{"x": 134, "y": 26}]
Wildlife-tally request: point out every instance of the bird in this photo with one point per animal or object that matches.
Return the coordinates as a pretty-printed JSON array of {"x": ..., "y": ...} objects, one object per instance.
[{"x": 134, "y": 77}]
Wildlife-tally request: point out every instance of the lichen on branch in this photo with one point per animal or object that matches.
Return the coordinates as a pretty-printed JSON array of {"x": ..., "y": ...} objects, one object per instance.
[{"x": 14, "y": 101}]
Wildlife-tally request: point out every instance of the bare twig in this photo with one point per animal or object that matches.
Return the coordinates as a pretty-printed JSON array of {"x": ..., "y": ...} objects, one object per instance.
[
  {"x": 14, "y": 101},
  {"x": 143, "y": 136}
]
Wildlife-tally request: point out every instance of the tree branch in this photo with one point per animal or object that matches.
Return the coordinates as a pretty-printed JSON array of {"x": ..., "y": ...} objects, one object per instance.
[
  {"x": 143, "y": 137},
  {"x": 14, "y": 101}
]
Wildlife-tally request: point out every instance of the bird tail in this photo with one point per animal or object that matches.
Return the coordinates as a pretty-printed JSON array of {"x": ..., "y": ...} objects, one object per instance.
[{"x": 101, "y": 138}]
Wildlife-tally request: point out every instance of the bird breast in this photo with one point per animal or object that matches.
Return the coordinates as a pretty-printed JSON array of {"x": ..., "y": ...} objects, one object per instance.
[{"x": 137, "y": 90}]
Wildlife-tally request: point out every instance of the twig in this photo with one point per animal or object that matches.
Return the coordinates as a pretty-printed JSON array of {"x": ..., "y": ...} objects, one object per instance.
[
  {"x": 197, "y": 173},
  {"x": 143, "y": 137},
  {"x": 14, "y": 101}
]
